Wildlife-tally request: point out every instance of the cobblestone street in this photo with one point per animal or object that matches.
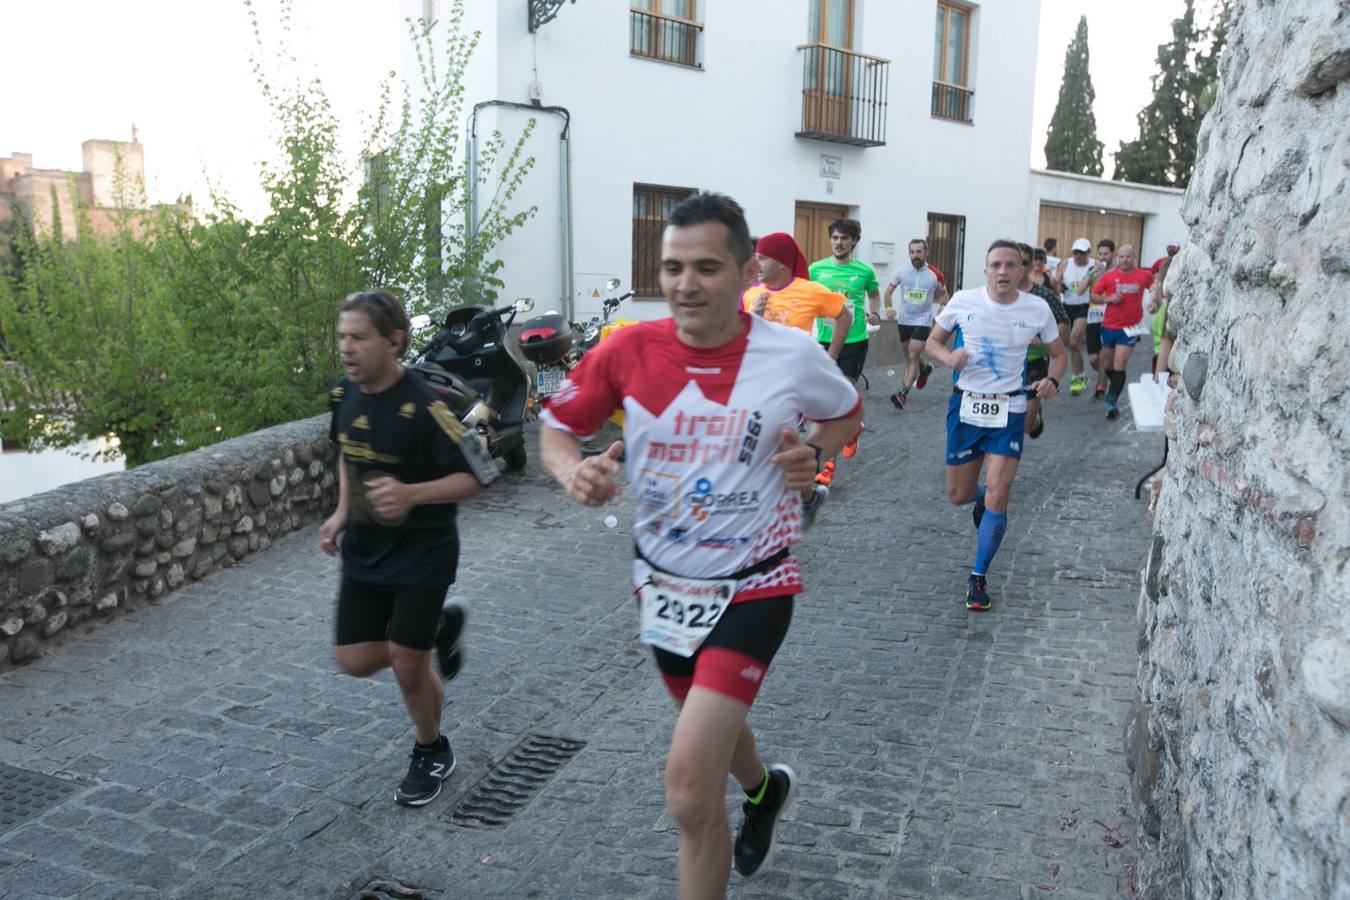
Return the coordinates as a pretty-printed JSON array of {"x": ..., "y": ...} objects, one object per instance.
[{"x": 941, "y": 753}]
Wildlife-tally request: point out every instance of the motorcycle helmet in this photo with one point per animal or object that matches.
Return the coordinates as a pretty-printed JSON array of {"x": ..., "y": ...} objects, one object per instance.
[{"x": 546, "y": 339}]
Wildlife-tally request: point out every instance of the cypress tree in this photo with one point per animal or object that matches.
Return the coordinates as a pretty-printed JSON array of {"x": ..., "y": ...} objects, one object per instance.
[
  {"x": 1183, "y": 91},
  {"x": 1071, "y": 143}
]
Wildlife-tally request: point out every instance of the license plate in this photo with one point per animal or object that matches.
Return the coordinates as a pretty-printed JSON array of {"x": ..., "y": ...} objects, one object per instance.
[{"x": 549, "y": 381}]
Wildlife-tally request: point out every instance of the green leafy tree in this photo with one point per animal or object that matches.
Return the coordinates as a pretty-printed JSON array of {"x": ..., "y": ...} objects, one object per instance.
[
  {"x": 178, "y": 332},
  {"x": 1071, "y": 143},
  {"x": 1183, "y": 91},
  {"x": 92, "y": 342}
]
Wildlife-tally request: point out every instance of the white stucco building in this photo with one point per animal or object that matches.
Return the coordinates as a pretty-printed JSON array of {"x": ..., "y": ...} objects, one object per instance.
[{"x": 912, "y": 116}]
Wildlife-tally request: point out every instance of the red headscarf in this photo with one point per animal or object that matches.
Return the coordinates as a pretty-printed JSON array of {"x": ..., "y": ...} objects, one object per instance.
[{"x": 783, "y": 247}]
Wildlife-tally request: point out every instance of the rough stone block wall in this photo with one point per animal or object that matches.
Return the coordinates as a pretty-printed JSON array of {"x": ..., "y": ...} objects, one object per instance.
[
  {"x": 73, "y": 557},
  {"x": 1240, "y": 745}
]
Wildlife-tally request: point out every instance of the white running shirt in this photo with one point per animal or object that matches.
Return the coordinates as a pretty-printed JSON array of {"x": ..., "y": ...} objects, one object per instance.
[
  {"x": 996, "y": 335},
  {"x": 1074, "y": 273},
  {"x": 700, "y": 428},
  {"x": 906, "y": 278}
]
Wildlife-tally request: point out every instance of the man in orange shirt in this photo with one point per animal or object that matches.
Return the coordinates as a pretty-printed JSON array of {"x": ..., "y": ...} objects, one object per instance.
[{"x": 786, "y": 293}]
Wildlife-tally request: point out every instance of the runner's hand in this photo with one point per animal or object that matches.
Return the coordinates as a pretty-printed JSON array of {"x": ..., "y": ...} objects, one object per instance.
[
  {"x": 959, "y": 358},
  {"x": 1045, "y": 389},
  {"x": 873, "y": 318},
  {"x": 890, "y": 313},
  {"x": 797, "y": 460},
  {"x": 389, "y": 498},
  {"x": 329, "y": 532},
  {"x": 591, "y": 481}
]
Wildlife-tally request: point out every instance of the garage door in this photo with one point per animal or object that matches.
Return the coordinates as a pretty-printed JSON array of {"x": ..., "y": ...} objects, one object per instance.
[{"x": 1068, "y": 223}]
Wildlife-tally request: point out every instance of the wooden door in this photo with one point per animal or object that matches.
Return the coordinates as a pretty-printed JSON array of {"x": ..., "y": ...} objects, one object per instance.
[
  {"x": 811, "y": 228},
  {"x": 1068, "y": 223},
  {"x": 829, "y": 70}
]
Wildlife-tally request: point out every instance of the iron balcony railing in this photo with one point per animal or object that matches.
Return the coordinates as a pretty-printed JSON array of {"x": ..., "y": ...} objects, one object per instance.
[
  {"x": 951, "y": 101},
  {"x": 844, "y": 95},
  {"x": 656, "y": 36}
]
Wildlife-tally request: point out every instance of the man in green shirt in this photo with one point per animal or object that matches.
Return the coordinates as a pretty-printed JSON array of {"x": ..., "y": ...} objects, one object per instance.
[{"x": 857, "y": 281}]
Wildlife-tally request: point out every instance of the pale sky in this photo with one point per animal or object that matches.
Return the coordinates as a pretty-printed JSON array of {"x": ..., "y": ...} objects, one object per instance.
[{"x": 180, "y": 71}]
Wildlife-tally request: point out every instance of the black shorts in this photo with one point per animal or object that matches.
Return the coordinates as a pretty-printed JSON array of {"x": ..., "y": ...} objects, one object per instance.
[
  {"x": 1037, "y": 369},
  {"x": 735, "y": 656},
  {"x": 1076, "y": 311},
  {"x": 369, "y": 613},
  {"x": 1094, "y": 337},
  {"x": 851, "y": 358},
  {"x": 914, "y": 332}
]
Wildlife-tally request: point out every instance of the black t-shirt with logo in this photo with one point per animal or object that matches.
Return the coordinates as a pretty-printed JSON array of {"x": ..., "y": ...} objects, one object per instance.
[{"x": 407, "y": 433}]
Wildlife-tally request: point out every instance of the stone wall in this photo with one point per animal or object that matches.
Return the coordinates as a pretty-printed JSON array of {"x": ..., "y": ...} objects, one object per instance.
[
  {"x": 73, "y": 557},
  {"x": 1240, "y": 745}
]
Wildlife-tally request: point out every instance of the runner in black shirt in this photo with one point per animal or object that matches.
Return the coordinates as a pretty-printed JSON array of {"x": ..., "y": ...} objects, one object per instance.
[{"x": 401, "y": 471}]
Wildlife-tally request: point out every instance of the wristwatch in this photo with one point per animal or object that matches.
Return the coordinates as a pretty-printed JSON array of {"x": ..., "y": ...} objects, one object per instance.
[
  {"x": 1053, "y": 380},
  {"x": 820, "y": 456}
]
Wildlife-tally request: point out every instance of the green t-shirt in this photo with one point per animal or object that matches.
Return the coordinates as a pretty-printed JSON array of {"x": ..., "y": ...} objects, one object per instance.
[
  {"x": 1159, "y": 328},
  {"x": 854, "y": 279}
]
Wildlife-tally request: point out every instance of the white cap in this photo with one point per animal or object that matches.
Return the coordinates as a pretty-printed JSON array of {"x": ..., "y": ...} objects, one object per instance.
[
  {"x": 1082, "y": 245},
  {"x": 1174, "y": 243}
]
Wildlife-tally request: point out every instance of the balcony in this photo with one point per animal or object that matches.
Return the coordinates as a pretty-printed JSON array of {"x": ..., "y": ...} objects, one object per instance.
[
  {"x": 844, "y": 96},
  {"x": 951, "y": 101},
  {"x": 665, "y": 38}
]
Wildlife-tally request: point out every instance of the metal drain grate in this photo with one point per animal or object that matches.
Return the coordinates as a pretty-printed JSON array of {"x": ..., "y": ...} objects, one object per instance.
[
  {"x": 25, "y": 794},
  {"x": 389, "y": 889},
  {"x": 510, "y": 784}
]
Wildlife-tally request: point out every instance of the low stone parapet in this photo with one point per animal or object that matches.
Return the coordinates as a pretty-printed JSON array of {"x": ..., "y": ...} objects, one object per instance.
[{"x": 73, "y": 557}]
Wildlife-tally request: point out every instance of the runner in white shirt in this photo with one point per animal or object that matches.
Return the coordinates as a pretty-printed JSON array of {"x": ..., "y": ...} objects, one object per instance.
[
  {"x": 711, "y": 398},
  {"x": 1074, "y": 275},
  {"x": 987, "y": 410},
  {"x": 920, "y": 288}
]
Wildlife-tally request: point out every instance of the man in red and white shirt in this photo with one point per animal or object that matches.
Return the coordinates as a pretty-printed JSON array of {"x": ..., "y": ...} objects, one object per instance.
[{"x": 711, "y": 398}]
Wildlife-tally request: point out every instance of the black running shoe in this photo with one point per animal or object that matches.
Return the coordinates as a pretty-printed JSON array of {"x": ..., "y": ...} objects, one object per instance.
[
  {"x": 977, "y": 595},
  {"x": 757, "y": 837},
  {"x": 425, "y": 773},
  {"x": 449, "y": 653},
  {"x": 977, "y": 514},
  {"x": 1040, "y": 426},
  {"x": 812, "y": 506},
  {"x": 1111, "y": 411}
]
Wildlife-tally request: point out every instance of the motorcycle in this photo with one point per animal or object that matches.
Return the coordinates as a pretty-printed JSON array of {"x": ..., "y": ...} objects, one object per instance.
[
  {"x": 467, "y": 363},
  {"x": 557, "y": 346}
]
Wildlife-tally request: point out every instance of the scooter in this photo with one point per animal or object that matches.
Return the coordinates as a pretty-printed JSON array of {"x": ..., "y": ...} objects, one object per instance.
[
  {"x": 467, "y": 363},
  {"x": 557, "y": 346}
]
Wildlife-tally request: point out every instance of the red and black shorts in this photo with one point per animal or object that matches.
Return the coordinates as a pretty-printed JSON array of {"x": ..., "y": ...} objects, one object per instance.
[{"x": 736, "y": 654}]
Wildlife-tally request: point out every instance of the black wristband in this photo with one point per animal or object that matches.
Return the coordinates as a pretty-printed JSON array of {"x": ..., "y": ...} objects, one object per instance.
[
  {"x": 820, "y": 455},
  {"x": 1053, "y": 380}
]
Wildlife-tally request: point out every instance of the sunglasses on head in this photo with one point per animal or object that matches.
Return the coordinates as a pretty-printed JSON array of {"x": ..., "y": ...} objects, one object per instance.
[{"x": 376, "y": 299}]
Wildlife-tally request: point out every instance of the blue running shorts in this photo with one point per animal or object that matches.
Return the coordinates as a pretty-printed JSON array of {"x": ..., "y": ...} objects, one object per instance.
[
  {"x": 966, "y": 443},
  {"x": 1112, "y": 337}
]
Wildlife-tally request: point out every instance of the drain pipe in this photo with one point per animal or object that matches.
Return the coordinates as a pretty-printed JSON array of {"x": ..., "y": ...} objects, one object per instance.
[{"x": 564, "y": 186}]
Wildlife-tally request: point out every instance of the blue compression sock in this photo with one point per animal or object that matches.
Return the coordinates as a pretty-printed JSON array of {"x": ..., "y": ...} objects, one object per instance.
[{"x": 992, "y": 527}]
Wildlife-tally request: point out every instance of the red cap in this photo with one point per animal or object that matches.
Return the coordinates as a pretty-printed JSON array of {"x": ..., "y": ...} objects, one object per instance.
[{"x": 783, "y": 247}]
